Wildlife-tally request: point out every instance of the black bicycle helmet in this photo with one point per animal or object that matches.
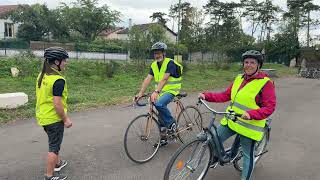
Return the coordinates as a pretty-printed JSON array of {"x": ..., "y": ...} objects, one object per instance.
[
  {"x": 253, "y": 54},
  {"x": 159, "y": 46},
  {"x": 55, "y": 53}
]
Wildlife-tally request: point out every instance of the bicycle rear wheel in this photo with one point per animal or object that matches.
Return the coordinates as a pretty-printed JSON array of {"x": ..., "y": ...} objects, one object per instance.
[
  {"x": 191, "y": 161},
  {"x": 189, "y": 123},
  {"x": 142, "y": 139},
  {"x": 259, "y": 149}
]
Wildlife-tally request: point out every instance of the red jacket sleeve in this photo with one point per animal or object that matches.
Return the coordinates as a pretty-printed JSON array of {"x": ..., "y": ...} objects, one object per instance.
[
  {"x": 219, "y": 97},
  {"x": 267, "y": 102}
]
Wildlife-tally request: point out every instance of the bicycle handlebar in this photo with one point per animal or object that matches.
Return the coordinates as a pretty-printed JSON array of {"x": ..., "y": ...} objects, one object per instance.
[
  {"x": 143, "y": 100},
  {"x": 231, "y": 114}
]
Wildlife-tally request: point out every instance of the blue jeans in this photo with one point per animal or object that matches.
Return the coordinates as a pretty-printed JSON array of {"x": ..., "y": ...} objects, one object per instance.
[
  {"x": 247, "y": 145},
  {"x": 161, "y": 106}
]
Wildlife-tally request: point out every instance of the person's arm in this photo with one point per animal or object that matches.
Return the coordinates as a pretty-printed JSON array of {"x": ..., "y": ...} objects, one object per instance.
[
  {"x": 145, "y": 84},
  {"x": 162, "y": 82},
  {"x": 267, "y": 103},
  {"x": 58, "y": 89},
  {"x": 219, "y": 97}
]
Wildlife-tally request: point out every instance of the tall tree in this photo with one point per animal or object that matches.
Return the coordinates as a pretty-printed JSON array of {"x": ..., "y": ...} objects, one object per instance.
[
  {"x": 309, "y": 6},
  {"x": 182, "y": 12},
  {"x": 34, "y": 21},
  {"x": 223, "y": 30},
  {"x": 192, "y": 31},
  {"x": 159, "y": 17},
  {"x": 88, "y": 19},
  {"x": 253, "y": 13},
  {"x": 268, "y": 15}
]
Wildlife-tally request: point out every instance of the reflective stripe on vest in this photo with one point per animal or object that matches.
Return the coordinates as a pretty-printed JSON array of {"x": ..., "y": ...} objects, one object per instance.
[
  {"x": 244, "y": 100},
  {"x": 45, "y": 110},
  {"x": 173, "y": 85}
]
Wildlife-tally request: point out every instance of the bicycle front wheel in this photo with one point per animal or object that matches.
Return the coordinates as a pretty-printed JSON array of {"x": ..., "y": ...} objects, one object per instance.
[
  {"x": 189, "y": 123},
  {"x": 191, "y": 161},
  {"x": 142, "y": 139}
]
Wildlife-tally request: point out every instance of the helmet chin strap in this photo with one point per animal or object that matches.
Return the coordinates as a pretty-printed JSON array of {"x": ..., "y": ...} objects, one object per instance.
[{"x": 59, "y": 69}]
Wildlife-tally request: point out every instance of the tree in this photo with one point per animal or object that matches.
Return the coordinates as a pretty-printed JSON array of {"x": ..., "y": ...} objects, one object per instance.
[
  {"x": 223, "y": 31},
  {"x": 268, "y": 15},
  {"x": 140, "y": 40},
  {"x": 182, "y": 13},
  {"x": 309, "y": 6},
  {"x": 138, "y": 43},
  {"x": 159, "y": 16},
  {"x": 156, "y": 32},
  {"x": 88, "y": 19},
  {"x": 35, "y": 21},
  {"x": 253, "y": 13},
  {"x": 192, "y": 32}
]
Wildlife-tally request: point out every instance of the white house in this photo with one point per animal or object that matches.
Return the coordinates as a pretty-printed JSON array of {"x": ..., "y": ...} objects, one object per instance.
[
  {"x": 8, "y": 29},
  {"x": 122, "y": 33}
]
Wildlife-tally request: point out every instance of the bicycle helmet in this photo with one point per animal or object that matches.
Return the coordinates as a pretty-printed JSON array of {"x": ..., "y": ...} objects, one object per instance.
[
  {"x": 159, "y": 46},
  {"x": 253, "y": 54},
  {"x": 55, "y": 53}
]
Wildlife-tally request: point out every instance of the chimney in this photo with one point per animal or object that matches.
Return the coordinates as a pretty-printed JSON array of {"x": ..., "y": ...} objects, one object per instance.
[{"x": 130, "y": 23}]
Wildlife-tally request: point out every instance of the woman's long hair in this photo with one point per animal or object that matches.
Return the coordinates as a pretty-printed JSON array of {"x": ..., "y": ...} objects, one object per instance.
[{"x": 46, "y": 69}]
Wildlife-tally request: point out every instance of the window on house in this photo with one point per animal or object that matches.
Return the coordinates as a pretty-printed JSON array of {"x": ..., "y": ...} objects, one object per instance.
[{"x": 8, "y": 30}]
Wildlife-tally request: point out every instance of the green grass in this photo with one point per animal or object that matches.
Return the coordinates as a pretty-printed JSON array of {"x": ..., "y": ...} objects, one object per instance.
[{"x": 90, "y": 87}]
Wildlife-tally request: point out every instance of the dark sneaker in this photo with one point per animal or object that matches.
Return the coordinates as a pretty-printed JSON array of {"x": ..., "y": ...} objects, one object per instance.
[
  {"x": 60, "y": 165},
  {"x": 172, "y": 129},
  {"x": 163, "y": 142},
  {"x": 56, "y": 177}
]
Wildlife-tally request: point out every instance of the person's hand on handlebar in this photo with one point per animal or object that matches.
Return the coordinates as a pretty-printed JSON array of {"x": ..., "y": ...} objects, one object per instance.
[
  {"x": 202, "y": 96},
  {"x": 136, "y": 97},
  {"x": 246, "y": 116}
]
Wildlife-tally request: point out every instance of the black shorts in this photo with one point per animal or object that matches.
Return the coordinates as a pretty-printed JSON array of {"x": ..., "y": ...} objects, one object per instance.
[{"x": 55, "y": 136}]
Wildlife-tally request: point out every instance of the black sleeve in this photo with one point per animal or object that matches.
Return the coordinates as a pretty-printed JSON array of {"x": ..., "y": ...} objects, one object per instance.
[
  {"x": 173, "y": 69},
  {"x": 151, "y": 72},
  {"x": 58, "y": 87}
]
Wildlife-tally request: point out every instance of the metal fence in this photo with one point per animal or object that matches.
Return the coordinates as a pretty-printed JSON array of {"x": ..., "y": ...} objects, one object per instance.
[{"x": 72, "y": 54}]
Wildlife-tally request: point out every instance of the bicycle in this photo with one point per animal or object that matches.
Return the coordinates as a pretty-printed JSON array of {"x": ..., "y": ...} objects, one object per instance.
[
  {"x": 193, "y": 159},
  {"x": 142, "y": 137}
]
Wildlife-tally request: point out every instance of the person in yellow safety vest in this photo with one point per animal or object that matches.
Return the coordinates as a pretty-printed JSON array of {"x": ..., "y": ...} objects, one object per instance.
[
  {"x": 252, "y": 94},
  {"x": 51, "y": 107},
  {"x": 167, "y": 75}
]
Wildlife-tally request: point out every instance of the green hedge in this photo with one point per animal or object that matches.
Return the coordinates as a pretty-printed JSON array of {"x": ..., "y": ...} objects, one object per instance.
[{"x": 14, "y": 44}]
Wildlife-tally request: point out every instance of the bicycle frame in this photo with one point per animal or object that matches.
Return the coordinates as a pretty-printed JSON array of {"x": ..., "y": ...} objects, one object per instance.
[
  {"x": 153, "y": 113},
  {"x": 212, "y": 138}
]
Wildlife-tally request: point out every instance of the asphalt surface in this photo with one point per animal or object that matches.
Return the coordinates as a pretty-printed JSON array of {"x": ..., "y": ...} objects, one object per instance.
[{"x": 94, "y": 145}]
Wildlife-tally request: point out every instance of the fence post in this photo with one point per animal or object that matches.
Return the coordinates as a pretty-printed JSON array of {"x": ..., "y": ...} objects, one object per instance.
[{"x": 5, "y": 46}]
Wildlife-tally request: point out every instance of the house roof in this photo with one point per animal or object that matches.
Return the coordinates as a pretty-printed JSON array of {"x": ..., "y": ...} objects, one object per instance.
[
  {"x": 106, "y": 32},
  {"x": 143, "y": 27},
  {"x": 4, "y": 9}
]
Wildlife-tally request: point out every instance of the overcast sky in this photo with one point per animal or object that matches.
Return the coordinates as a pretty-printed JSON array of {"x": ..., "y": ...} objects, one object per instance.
[{"x": 139, "y": 10}]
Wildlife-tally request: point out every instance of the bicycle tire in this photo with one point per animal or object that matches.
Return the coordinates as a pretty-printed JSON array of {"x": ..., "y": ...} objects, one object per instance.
[
  {"x": 177, "y": 161},
  {"x": 189, "y": 123},
  {"x": 259, "y": 148},
  {"x": 137, "y": 147}
]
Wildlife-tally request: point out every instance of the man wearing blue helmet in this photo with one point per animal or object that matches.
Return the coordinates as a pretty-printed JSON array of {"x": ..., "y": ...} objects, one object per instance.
[{"x": 167, "y": 75}]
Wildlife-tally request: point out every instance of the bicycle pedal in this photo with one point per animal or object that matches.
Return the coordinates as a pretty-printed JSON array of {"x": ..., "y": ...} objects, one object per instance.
[{"x": 264, "y": 152}]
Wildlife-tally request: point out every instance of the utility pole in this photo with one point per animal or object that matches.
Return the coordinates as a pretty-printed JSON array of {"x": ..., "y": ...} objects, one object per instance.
[
  {"x": 308, "y": 33},
  {"x": 179, "y": 16}
]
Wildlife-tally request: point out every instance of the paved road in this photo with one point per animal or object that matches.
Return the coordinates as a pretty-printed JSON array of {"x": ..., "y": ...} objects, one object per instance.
[{"x": 94, "y": 146}]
